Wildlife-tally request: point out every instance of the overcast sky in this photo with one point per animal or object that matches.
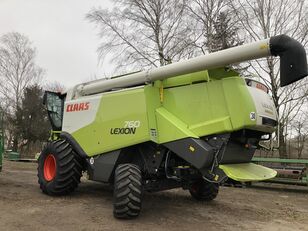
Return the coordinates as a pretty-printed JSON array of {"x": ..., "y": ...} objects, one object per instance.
[{"x": 65, "y": 41}]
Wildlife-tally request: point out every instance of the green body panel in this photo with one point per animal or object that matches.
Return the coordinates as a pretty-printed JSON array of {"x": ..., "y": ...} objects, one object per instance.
[
  {"x": 221, "y": 73},
  {"x": 170, "y": 127},
  {"x": 113, "y": 111},
  {"x": 239, "y": 102},
  {"x": 186, "y": 79},
  {"x": 209, "y": 107},
  {"x": 247, "y": 172},
  {"x": 193, "y": 105},
  {"x": 152, "y": 95}
]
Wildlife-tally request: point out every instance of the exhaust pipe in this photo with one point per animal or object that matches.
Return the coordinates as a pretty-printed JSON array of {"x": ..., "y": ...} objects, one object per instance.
[{"x": 293, "y": 64}]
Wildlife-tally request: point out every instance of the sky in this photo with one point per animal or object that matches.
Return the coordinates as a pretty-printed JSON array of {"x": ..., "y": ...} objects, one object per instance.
[{"x": 66, "y": 42}]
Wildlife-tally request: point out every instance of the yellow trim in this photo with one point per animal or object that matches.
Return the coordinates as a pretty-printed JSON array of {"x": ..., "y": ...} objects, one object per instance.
[
  {"x": 161, "y": 93},
  {"x": 264, "y": 46},
  {"x": 191, "y": 148}
]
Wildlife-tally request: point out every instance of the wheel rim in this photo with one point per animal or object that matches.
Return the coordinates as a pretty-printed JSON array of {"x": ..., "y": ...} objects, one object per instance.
[
  {"x": 50, "y": 167},
  {"x": 196, "y": 186}
]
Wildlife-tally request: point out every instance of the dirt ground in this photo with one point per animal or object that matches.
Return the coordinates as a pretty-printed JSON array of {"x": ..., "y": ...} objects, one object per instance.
[{"x": 24, "y": 207}]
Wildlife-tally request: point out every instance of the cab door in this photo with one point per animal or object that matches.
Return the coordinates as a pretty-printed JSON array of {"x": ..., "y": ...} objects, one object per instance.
[{"x": 54, "y": 103}]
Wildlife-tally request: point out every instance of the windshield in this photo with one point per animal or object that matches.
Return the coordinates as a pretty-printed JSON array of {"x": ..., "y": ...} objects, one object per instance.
[{"x": 54, "y": 103}]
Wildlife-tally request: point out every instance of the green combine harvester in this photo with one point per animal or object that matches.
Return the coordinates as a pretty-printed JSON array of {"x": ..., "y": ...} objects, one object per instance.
[{"x": 189, "y": 124}]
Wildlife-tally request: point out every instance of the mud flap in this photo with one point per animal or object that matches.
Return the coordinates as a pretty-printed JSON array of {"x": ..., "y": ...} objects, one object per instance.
[{"x": 248, "y": 172}]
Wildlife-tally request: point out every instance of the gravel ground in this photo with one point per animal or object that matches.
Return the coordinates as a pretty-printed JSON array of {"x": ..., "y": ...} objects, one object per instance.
[{"x": 265, "y": 207}]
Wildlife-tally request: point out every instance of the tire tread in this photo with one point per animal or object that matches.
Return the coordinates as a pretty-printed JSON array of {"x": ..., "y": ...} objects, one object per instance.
[
  {"x": 69, "y": 169},
  {"x": 127, "y": 191}
]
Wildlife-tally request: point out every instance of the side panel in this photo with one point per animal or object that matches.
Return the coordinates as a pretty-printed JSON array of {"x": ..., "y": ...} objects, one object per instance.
[
  {"x": 206, "y": 108},
  {"x": 102, "y": 167},
  {"x": 195, "y": 151},
  {"x": 120, "y": 121},
  {"x": 170, "y": 127},
  {"x": 265, "y": 109},
  {"x": 113, "y": 120},
  {"x": 79, "y": 113},
  {"x": 239, "y": 102}
]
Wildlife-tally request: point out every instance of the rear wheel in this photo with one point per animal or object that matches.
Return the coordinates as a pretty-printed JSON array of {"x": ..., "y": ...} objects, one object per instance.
[
  {"x": 128, "y": 191},
  {"x": 204, "y": 191},
  {"x": 59, "y": 168}
]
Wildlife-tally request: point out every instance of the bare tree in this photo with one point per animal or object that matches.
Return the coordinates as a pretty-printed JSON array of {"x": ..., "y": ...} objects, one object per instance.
[
  {"x": 17, "y": 71},
  {"x": 54, "y": 86},
  {"x": 215, "y": 27},
  {"x": 17, "y": 66},
  {"x": 300, "y": 125},
  {"x": 205, "y": 13},
  {"x": 143, "y": 33},
  {"x": 262, "y": 19}
]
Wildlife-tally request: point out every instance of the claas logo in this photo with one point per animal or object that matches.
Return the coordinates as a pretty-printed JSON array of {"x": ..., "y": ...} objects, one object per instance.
[{"x": 77, "y": 107}]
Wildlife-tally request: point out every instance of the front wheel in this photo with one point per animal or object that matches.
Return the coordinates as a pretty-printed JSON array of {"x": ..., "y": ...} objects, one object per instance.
[
  {"x": 59, "y": 168},
  {"x": 128, "y": 191},
  {"x": 204, "y": 191}
]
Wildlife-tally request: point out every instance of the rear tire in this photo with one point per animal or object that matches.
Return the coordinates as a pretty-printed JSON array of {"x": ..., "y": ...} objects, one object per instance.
[
  {"x": 204, "y": 191},
  {"x": 59, "y": 169},
  {"x": 128, "y": 191}
]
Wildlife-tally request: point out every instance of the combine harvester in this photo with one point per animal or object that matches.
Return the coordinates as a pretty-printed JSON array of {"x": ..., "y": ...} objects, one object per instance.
[{"x": 189, "y": 124}]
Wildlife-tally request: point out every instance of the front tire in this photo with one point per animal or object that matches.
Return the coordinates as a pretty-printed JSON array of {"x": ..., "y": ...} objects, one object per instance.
[
  {"x": 204, "y": 191},
  {"x": 59, "y": 169},
  {"x": 127, "y": 192}
]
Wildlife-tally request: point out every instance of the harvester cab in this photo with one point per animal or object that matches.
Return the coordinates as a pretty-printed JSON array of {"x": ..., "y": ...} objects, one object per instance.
[
  {"x": 189, "y": 124},
  {"x": 54, "y": 104}
]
